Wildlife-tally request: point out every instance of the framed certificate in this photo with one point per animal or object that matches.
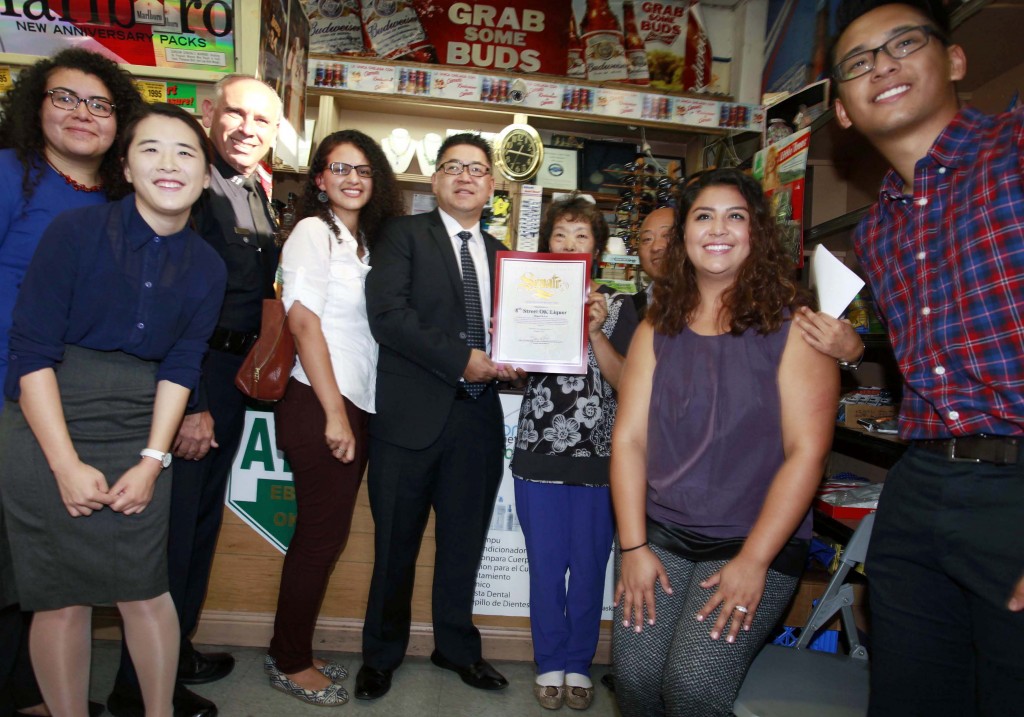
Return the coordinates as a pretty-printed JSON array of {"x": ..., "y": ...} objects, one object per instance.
[
  {"x": 558, "y": 169},
  {"x": 540, "y": 312}
]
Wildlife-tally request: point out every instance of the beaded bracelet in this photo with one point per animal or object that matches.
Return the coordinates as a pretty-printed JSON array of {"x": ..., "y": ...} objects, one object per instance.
[{"x": 635, "y": 547}]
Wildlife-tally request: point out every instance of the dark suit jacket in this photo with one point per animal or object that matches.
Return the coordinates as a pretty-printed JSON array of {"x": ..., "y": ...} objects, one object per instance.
[
  {"x": 640, "y": 304},
  {"x": 417, "y": 315}
]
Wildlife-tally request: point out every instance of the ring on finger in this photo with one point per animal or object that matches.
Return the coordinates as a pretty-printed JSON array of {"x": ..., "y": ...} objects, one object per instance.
[{"x": 742, "y": 608}]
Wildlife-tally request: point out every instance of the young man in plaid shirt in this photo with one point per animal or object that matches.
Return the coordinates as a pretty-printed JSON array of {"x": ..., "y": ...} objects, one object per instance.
[{"x": 943, "y": 249}]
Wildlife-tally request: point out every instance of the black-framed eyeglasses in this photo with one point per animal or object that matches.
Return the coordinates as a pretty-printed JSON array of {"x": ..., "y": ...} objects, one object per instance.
[
  {"x": 64, "y": 99},
  {"x": 906, "y": 43},
  {"x": 343, "y": 169},
  {"x": 455, "y": 167}
]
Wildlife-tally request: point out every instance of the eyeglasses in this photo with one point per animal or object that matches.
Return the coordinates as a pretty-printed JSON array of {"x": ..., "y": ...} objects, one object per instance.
[
  {"x": 342, "y": 169},
  {"x": 454, "y": 167},
  {"x": 64, "y": 99},
  {"x": 906, "y": 43}
]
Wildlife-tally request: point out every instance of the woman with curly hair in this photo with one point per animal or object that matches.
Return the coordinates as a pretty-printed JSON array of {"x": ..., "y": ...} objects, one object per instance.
[
  {"x": 322, "y": 420},
  {"x": 725, "y": 421},
  {"x": 561, "y": 469},
  {"x": 57, "y": 127}
]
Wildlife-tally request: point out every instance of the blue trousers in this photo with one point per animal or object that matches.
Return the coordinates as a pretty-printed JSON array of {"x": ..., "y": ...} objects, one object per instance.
[
  {"x": 567, "y": 528},
  {"x": 945, "y": 554}
]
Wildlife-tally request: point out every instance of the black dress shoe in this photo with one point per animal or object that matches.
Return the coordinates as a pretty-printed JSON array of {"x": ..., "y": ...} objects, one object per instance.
[
  {"x": 479, "y": 675},
  {"x": 127, "y": 702},
  {"x": 196, "y": 668},
  {"x": 372, "y": 683}
]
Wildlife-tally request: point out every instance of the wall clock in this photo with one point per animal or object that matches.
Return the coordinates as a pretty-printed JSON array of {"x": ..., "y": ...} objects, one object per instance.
[{"x": 518, "y": 152}]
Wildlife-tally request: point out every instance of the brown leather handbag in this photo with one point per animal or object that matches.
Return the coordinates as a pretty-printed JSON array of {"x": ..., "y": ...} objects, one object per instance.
[{"x": 265, "y": 371}]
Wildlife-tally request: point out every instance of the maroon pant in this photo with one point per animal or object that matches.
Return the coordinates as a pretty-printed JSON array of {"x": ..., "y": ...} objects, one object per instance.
[{"x": 325, "y": 494}]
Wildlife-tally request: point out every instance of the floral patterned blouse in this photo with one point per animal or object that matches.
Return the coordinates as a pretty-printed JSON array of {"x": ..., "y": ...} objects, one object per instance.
[{"x": 565, "y": 418}]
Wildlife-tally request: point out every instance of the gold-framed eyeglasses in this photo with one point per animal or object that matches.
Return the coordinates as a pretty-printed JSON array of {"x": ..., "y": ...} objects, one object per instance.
[
  {"x": 342, "y": 169},
  {"x": 897, "y": 47},
  {"x": 64, "y": 99},
  {"x": 454, "y": 167}
]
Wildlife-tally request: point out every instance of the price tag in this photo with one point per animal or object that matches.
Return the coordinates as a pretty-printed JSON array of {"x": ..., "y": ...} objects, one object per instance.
[{"x": 152, "y": 91}]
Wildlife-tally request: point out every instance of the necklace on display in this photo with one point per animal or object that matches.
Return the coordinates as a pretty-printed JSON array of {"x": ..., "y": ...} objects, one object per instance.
[
  {"x": 426, "y": 152},
  {"x": 399, "y": 148},
  {"x": 76, "y": 185}
]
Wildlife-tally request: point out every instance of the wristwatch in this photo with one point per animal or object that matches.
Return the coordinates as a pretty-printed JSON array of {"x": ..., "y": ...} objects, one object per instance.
[
  {"x": 164, "y": 458},
  {"x": 852, "y": 365}
]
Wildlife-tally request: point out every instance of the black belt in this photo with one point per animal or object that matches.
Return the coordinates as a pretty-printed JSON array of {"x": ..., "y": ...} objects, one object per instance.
[
  {"x": 999, "y": 450},
  {"x": 231, "y": 341}
]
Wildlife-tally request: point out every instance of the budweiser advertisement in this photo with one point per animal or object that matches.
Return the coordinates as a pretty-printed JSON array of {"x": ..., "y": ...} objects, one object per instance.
[
  {"x": 510, "y": 35},
  {"x": 663, "y": 44}
]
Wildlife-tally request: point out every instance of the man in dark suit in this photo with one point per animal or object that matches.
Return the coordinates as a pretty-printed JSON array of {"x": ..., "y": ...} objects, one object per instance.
[{"x": 437, "y": 436}]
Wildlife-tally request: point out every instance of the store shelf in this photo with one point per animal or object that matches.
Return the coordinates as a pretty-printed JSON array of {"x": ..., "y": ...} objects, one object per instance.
[
  {"x": 845, "y": 222},
  {"x": 481, "y": 113},
  {"x": 838, "y": 529},
  {"x": 879, "y": 450}
]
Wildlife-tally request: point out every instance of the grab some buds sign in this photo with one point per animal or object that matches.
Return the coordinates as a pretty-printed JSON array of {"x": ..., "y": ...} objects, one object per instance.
[
  {"x": 517, "y": 35},
  {"x": 191, "y": 34}
]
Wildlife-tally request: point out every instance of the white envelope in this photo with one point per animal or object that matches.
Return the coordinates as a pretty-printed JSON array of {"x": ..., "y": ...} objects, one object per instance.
[{"x": 835, "y": 283}]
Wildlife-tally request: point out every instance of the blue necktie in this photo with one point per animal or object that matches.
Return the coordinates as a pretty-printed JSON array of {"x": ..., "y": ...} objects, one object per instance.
[{"x": 474, "y": 313}]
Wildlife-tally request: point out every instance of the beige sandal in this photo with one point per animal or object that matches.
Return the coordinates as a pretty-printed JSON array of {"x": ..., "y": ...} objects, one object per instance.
[
  {"x": 550, "y": 698},
  {"x": 579, "y": 698}
]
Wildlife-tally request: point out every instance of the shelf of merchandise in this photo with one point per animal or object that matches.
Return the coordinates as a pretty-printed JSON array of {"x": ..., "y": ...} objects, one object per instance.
[
  {"x": 471, "y": 113},
  {"x": 549, "y": 119},
  {"x": 878, "y": 449}
]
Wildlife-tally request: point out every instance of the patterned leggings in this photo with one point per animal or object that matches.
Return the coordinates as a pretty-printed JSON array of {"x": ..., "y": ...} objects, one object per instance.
[{"x": 673, "y": 669}]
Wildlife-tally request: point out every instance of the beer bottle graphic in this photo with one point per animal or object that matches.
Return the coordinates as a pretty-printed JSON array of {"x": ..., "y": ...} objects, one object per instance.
[
  {"x": 604, "y": 44},
  {"x": 636, "y": 49}
]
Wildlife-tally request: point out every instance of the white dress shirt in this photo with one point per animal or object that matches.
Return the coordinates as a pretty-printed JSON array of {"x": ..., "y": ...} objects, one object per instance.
[
  {"x": 478, "y": 251},
  {"x": 329, "y": 278}
]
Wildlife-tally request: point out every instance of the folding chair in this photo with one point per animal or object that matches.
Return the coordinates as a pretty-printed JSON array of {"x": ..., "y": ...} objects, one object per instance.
[{"x": 798, "y": 682}]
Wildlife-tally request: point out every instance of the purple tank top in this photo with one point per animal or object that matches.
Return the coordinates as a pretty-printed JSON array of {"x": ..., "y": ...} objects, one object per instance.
[{"x": 714, "y": 432}]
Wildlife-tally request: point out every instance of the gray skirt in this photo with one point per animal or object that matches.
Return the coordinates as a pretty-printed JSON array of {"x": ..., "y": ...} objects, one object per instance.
[{"x": 106, "y": 557}]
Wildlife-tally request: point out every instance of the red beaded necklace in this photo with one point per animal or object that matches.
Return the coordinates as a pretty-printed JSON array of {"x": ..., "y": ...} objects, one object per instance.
[{"x": 77, "y": 186}]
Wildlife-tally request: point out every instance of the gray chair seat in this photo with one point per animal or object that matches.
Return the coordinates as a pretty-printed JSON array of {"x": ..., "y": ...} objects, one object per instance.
[{"x": 798, "y": 682}]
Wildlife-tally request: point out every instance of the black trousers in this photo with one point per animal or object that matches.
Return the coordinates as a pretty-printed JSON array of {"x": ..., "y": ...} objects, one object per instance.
[
  {"x": 18, "y": 688},
  {"x": 458, "y": 476},
  {"x": 197, "y": 502},
  {"x": 946, "y": 552}
]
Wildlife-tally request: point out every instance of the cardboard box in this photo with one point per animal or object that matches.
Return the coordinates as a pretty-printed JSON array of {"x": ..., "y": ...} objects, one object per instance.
[
  {"x": 841, "y": 512},
  {"x": 849, "y": 413},
  {"x": 811, "y": 587}
]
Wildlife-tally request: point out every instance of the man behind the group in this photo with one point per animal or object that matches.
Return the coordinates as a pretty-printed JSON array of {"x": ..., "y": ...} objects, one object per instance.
[
  {"x": 653, "y": 241},
  {"x": 234, "y": 216},
  {"x": 944, "y": 252},
  {"x": 436, "y": 439}
]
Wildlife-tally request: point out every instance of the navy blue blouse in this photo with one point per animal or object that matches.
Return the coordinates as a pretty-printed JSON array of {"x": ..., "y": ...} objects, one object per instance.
[{"x": 104, "y": 280}]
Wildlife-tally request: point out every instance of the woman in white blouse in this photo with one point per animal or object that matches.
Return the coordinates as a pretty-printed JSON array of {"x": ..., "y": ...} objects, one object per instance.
[{"x": 322, "y": 419}]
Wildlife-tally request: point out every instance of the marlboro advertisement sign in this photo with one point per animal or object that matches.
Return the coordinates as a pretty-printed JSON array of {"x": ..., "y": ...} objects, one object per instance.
[
  {"x": 188, "y": 34},
  {"x": 662, "y": 44}
]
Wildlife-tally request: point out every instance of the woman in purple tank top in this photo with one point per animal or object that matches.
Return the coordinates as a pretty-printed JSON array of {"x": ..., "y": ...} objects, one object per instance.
[{"x": 725, "y": 421}]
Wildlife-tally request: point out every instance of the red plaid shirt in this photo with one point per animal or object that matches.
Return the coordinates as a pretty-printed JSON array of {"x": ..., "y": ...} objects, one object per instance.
[{"x": 947, "y": 269}]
